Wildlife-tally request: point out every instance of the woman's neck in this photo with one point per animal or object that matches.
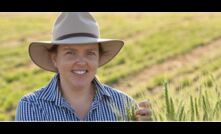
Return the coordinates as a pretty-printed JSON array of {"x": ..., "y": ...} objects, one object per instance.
[
  {"x": 80, "y": 98},
  {"x": 72, "y": 93}
]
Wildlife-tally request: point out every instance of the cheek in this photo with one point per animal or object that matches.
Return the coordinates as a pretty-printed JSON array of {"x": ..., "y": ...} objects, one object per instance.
[
  {"x": 94, "y": 63},
  {"x": 92, "y": 66},
  {"x": 62, "y": 63}
]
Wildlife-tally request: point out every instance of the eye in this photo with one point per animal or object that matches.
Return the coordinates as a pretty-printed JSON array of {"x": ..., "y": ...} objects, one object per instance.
[
  {"x": 69, "y": 53},
  {"x": 91, "y": 53}
]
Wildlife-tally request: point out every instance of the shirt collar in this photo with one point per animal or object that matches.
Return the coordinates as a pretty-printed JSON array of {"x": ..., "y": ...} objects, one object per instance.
[
  {"x": 100, "y": 89},
  {"x": 51, "y": 92}
]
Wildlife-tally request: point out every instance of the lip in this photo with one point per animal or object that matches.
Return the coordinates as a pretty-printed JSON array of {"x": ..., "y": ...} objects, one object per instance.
[{"x": 79, "y": 72}]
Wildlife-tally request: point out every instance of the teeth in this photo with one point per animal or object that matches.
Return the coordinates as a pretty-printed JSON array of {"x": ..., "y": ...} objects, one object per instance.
[{"x": 80, "y": 72}]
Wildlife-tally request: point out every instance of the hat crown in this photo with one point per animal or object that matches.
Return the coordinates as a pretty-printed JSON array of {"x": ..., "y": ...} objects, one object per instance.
[{"x": 70, "y": 24}]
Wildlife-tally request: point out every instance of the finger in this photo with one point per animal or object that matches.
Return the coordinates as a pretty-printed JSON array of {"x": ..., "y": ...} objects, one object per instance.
[
  {"x": 144, "y": 112},
  {"x": 144, "y": 118},
  {"x": 144, "y": 115},
  {"x": 145, "y": 104}
]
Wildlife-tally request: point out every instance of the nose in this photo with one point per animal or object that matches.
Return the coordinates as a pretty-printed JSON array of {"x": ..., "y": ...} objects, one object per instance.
[{"x": 81, "y": 61}]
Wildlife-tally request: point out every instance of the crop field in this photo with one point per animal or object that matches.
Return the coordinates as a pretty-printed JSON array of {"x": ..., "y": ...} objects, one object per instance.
[{"x": 171, "y": 59}]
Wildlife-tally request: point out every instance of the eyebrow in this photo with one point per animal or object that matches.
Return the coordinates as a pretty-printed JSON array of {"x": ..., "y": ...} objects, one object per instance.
[
  {"x": 90, "y": 49},
  {"x": 68, "y": 48}
]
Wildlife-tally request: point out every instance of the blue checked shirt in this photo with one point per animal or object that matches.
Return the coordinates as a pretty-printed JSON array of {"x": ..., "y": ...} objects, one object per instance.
[{"x": 47, "y": 104}]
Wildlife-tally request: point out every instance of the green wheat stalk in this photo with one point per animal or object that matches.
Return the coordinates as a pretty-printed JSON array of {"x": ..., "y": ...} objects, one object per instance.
[{"x": 192, "y": 109}]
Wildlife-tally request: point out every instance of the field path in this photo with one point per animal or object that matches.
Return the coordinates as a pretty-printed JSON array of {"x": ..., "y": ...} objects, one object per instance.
[{"x": 169, "y": 65}]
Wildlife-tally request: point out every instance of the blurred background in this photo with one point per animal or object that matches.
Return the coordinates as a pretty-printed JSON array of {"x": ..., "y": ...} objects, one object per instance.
[{"x": 172, "y": 59}]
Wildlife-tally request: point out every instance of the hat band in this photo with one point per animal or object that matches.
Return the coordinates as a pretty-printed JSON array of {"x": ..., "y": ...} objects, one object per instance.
[{"x": 76, "y": 35}]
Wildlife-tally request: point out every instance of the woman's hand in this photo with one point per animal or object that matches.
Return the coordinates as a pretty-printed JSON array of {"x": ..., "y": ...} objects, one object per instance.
[{"x": 144, "y": 113}]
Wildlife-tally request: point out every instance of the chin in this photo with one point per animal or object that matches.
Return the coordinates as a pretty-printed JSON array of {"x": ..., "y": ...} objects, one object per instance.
[{"x": 79, "y": 83}]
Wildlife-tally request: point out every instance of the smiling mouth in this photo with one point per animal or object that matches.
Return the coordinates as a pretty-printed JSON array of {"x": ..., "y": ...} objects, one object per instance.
[{"x": 79, "y": 72}]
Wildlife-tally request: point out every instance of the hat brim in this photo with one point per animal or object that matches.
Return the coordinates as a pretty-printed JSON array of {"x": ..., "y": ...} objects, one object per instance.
[{"x": 38, "y": 51}]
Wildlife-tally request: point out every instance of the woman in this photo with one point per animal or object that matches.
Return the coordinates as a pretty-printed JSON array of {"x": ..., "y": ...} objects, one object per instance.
[{"x": 74, "y": 93}]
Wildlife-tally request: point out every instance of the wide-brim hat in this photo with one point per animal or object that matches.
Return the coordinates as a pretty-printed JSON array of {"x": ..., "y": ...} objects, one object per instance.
[{"x": 73, "y": 28}]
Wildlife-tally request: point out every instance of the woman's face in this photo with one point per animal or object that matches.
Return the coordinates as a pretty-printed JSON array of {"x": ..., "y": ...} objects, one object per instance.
[{"x": 76, "y": 64}]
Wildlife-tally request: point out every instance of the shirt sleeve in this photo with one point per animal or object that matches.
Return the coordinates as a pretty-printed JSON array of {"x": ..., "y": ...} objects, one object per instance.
[
  {"x": 27, "y": 111},
  {"x": 130, "y": 108}
]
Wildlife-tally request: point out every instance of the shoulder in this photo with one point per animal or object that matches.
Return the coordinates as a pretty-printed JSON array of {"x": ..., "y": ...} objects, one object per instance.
[
  {"x": 32, "y": 97},
  {"x": 28, "y": 108},
  {"x": 31, "y": 100},
  {"x": 115, "y": 93}
]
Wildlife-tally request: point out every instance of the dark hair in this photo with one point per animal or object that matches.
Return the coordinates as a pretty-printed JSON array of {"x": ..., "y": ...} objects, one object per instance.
[
  {"x": 100, "y": 49},
  {"x": 53, "y": 49}
]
